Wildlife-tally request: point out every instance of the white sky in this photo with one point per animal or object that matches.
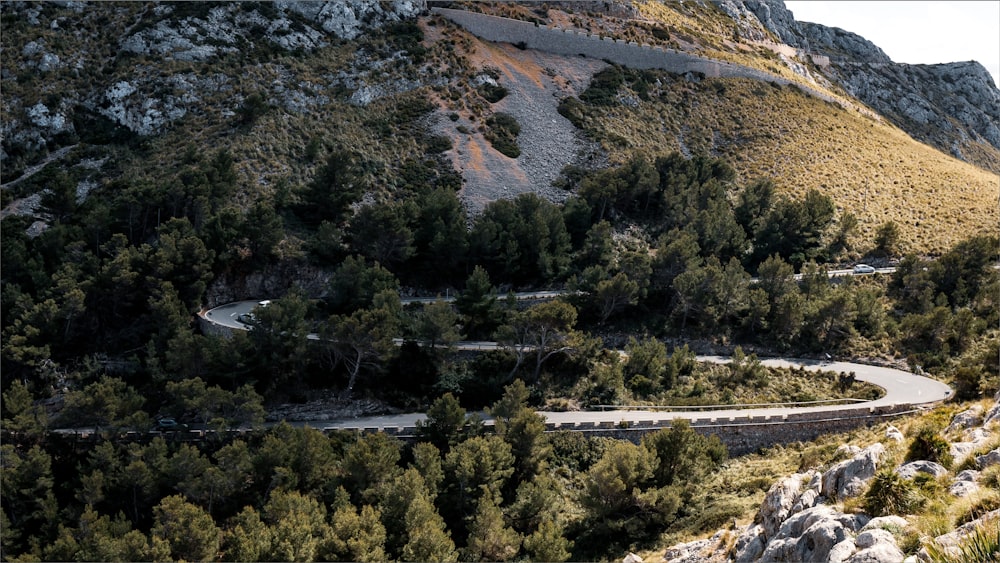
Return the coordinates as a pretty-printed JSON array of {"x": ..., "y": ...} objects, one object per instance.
[{"x": 916, "y": 32}]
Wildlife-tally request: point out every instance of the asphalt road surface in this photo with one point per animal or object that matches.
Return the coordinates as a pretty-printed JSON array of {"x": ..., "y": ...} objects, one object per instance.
[{"x": 900, "y": 388}]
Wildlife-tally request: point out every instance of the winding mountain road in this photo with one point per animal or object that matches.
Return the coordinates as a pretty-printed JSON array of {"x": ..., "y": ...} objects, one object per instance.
[
  {"x": 229, "y": 315},
  {"x": 901, "y": 388}
]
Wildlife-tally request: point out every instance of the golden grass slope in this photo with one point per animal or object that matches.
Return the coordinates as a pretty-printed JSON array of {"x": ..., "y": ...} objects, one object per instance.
[{"x": 868, "y": 167}]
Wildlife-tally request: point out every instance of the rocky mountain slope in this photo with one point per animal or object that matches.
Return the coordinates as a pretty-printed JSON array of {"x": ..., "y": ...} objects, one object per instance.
[
  {"x": 820, "y": 515},
  {"x": 113, "y": 91},
  {"x": 954, "y": 107}
]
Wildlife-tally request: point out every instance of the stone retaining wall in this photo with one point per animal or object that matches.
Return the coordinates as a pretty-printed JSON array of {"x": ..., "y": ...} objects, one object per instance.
[
  {"x": 630, "y": 54},
  {"x": 210, "y": 328},
  {"x": 741, "y": 435}
]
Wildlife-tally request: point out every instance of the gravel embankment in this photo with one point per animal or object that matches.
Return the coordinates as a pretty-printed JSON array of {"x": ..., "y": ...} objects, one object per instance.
[{"x": 535, "y": 82}]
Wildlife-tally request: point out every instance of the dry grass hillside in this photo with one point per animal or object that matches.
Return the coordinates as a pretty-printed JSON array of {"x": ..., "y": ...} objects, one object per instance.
[{"x": 868, "y": 167}]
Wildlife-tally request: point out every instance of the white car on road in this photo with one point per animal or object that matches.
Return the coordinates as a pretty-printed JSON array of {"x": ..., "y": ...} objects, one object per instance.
[{"x": 863, "y": 269}]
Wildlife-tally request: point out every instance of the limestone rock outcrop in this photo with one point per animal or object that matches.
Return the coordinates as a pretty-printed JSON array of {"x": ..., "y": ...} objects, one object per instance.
[
  {"x": 910, "y": 470},
  {"x": 798, "y": 520},
  {"x": 849, "y": 478},
  {"x": 811, "y": 535}
]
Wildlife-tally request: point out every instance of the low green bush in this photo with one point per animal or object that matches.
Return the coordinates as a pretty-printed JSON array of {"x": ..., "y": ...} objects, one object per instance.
[{"x": 502, "y": 133}]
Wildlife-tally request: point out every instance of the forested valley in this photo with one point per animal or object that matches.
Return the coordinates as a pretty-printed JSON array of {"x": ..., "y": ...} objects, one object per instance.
[{"x": 683, "y": 269}]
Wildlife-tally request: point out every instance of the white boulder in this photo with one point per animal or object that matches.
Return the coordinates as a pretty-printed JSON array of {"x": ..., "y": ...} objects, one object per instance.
[
  {"x": 989, "y": 459},
  {"x": 848, "y": 478},
  {"x": 910, "y": 470},
  {"x": 966, "y": 419},
  {"x": 965, "y": 483},
  {"x": 894, "y": 434}
]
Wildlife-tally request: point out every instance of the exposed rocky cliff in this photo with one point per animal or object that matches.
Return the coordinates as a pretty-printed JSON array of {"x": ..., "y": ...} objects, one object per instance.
[
  {"x": 801, "y": 518},
  {"x": 952, "y": 106},
  {"x": 125, "y": 67}
]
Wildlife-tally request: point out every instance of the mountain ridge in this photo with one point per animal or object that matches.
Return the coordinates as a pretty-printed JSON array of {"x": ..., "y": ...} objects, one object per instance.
[{"x": 949, "y": 106}]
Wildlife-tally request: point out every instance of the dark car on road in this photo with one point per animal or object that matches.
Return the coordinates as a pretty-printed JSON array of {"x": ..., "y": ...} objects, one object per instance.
[{"x": 168, "y": 425}]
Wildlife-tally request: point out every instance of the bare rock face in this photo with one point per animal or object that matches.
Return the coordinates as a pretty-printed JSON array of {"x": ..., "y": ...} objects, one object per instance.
[
  {"x": 910, "y": 470},
  {"x": 812, "y": 534},
  {"x": 947, "y": 106},
  {"x": 849, "y": 478},
  {"x": 144, "y": 115},
  {"x": 754, "y": 19},
  {"x": 347, "y": 18},
  {"x": 965, "y": 483},
  {"x": 939, "y": 104},
  {"x": 838, "y": 44},
  {"x": 273, "y": 283}
]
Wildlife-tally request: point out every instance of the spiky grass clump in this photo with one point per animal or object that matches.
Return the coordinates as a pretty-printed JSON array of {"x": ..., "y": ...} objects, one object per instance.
[
  {"x": 889, "y": 494},
  {"x": 982, "y": 544}
]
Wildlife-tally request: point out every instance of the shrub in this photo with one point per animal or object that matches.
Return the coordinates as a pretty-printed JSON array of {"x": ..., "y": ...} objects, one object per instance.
[
  {"x": 253, "y": 108},
  {"x": 891, "y": 494},
  {"x": 438, "y": 144},
  {"x": 887, "y": 239},
  {"x": 929, "y": 445},
  {"x": 717, "y": 516},
  {"x": 604, "y": 87},
  {"x": 492, "y": 93},
  {"x": 979, "y": 507},
  {"x": 502, "y": 134},
  {"x": 572, "y": 109}
]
